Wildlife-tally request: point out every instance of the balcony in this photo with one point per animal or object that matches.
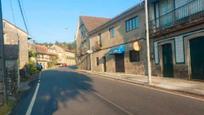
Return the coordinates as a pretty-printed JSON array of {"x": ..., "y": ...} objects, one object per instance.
[{"x": 185, "y": 16}]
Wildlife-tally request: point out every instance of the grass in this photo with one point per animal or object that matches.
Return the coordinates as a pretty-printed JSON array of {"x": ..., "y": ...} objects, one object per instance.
[{"x": 6, "y": 108}]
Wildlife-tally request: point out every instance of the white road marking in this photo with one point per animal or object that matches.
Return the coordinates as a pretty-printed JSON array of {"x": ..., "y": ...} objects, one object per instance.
[
  {"x": 116, "y": 105},
  {"x": 30, "y": 108}
]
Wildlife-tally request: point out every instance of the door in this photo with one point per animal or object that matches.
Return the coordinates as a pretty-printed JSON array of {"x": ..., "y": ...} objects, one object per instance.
[
  {"x": 167, "y": 60},
  {"x": 104, "y": 63},
  {"x": 119, "y": 63},
  {"x": 197, "y": 58}
]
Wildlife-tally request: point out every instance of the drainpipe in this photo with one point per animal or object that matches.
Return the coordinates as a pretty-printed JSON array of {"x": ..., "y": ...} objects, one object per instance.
[{"x": 18, "y": 74}]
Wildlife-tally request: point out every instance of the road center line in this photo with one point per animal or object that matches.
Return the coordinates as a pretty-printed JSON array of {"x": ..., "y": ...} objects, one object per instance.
[
  {"x": 110, "y": 102},
  {"x": 29, "y": 110}
]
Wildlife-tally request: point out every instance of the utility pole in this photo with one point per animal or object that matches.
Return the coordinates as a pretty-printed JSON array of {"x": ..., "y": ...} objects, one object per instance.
[
  {"x": 2, "y": 61},
  {"x": 148, "y": 44}
]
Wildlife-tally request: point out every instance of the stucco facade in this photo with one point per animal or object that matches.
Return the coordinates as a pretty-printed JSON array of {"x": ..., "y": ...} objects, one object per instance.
[
  {"x": 64, "y": 57},
  {"x": 43, "y": 56}
]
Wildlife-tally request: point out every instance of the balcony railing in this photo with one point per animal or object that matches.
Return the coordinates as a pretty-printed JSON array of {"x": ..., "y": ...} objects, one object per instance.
[{"x": 189, "y": 12}]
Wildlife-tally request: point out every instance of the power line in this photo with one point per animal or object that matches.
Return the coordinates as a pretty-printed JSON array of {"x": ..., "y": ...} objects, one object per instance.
[
  {"x": 23, "y": 16},
  {"x": 12, "y": 12}
]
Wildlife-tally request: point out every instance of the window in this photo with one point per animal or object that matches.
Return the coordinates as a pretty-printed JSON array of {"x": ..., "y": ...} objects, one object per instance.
[
  {"x": 97, "y": 61},
  {"x": 112, "y": 32},
  {"x": 134, "y": 56},
  {"x": 132, "y": 24},
  {"x": 100, "y": 40}
]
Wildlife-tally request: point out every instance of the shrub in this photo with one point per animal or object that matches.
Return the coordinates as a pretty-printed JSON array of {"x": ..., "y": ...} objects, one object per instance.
[{"x": 32, "y": 68}]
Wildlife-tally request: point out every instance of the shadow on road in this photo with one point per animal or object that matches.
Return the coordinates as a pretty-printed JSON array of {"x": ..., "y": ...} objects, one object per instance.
[{"x": 58, "y": 87}]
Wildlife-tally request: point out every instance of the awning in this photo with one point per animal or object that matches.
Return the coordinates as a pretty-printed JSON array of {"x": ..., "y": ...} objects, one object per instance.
[{"x": 117, "y": 50}]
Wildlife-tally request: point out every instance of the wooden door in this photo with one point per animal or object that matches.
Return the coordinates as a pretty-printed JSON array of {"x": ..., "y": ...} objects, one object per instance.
[
  {"x": 119, "y": 63},
  {"x": 104, "y": 64},
  {"x": 167, "y": 60},
  {"x": 197, "y": 58}
]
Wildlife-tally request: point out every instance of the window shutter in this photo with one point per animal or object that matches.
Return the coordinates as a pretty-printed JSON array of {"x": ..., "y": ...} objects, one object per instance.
[
  {"x": 156, "y": 53},
  {"x": 179, "y": 49}
]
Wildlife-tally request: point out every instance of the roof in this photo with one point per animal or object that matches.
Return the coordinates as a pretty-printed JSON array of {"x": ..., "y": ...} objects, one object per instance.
[
  {"x": 57, "y": 48},
  {"x": 93, "y": 22},
  {"x": 8, "y": 22},
  {"x": 41, "y": 49},
  {"x": 60, "y": 49}
]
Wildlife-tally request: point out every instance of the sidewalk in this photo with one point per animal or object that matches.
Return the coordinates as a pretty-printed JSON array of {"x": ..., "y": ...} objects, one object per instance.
[
  {"x": 25, "y": 85},
  {"x": 192, "y": 87}
]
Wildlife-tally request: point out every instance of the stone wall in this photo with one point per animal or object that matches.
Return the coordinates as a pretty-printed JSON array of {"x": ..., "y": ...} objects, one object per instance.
[
  {"x": 15, "y": 36},
  {"x": 138, "y": 68},
  {"x": 83, "y": 60},
  {"x": 180, "y": 70},
  {"x": 121, "y": 37}
]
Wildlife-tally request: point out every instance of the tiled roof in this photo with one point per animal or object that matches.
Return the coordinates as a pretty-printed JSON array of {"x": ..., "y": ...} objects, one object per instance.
[
  {"x": 93, "y": 22},
  {"x": 41, "y": 49}
]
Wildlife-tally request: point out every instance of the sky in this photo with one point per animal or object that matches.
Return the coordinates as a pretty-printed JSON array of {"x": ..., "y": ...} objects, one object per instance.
[{"x": 56, "y": 20}]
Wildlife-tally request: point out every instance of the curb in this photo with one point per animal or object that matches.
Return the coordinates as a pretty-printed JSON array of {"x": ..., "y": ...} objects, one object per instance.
[{"x": 201, "y": 96}]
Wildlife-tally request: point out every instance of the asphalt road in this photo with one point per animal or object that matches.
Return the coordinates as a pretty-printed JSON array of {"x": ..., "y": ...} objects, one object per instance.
[{"x": 65, "y": 92}]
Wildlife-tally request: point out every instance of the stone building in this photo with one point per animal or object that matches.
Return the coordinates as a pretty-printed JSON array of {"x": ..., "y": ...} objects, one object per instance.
[
  {"x": 15, "y": 55},
  {"x": 43, "y": 56},
  {"x": 177, "y": 33},
  {"x": 64, "y": 57},
  {"x": 85, "y": 25},
  {"x": 16, "y": 45},
  {"x": 119, "y": 45}
]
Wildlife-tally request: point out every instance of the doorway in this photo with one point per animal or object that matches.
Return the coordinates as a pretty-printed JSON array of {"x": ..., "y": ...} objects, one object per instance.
[
  {"x": 197, "y": 58},
  {"x": 119, "y": 63},
  {"x": 167, "y": 60},
  {"x": 104, "y": 64}
]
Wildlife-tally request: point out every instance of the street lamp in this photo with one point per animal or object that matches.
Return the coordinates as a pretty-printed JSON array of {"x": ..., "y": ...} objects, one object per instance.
[{"x": 148, "y": 44}]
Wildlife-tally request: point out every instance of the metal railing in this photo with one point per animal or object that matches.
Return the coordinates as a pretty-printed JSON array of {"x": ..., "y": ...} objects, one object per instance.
[{"x": 188, "y": 12}]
